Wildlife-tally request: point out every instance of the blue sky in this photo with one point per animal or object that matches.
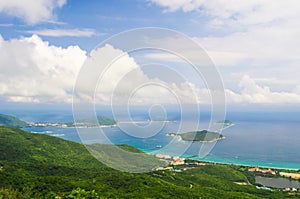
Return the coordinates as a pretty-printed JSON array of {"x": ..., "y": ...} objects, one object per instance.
[
  {"x": 254, "y": 44},
  {"x": 102, "y": 19}
]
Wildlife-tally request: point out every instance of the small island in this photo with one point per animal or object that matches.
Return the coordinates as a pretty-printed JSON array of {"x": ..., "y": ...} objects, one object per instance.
[
  {"x": 201, "y": 136},
  {"x": 225, "y": 123}
]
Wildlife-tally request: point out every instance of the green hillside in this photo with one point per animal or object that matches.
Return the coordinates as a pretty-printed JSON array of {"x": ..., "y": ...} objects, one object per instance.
[
  {"x": 6, "y": 120},
  {"x": 41, "y": 166}
]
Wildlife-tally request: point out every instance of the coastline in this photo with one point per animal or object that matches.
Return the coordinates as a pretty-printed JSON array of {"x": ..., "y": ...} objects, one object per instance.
[
  {"x": 260, "y": 165},
  {"x": 246, "y": 163},
  {"x": 210, "y": 159}
]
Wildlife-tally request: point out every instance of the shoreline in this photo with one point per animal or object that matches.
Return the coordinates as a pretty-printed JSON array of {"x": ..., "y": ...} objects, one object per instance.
[
  {"x": 240, "y": 162},
  {"x": 228, "y": 162},
  {"x": 248, "y": 165}
]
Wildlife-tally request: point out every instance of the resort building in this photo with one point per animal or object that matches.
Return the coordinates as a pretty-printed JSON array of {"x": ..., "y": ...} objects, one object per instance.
[{"x": 256, "y": 169}]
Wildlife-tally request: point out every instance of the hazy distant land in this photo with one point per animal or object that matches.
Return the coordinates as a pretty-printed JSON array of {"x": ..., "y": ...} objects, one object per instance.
[{"x": 199, "y": 136}]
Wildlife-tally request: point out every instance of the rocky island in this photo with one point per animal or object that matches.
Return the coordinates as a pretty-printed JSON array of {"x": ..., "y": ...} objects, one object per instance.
[{"x": 225, "y": 123}]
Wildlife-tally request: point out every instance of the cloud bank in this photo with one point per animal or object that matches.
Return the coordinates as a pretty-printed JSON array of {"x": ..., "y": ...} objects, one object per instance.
[
  {"x": 32, "y": 11},
  {"x": 35, "y": 72},
  {"x": 257, "y": 40}
]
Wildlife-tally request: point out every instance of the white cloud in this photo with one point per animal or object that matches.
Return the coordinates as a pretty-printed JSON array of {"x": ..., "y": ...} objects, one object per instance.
[
  {"x": 123, "y": 80},
  {"x": 255, "y": 38},
  {"x": 31, "y": 11},
  {"x": 263, "y": 32},
  {"x": 64, "y": 32},
  {"x": 261, "y": 44},
  {"x": 162, "y": 56},
  {"x": 236, "y": 12},
  {"x": 34, "y": 71},
  {"x": 253, "y": 93},
  {"x": 260, "y": 32}
]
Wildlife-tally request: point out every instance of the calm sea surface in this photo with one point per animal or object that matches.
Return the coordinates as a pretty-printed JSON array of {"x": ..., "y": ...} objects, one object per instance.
[
  {"x": 277, "y": 182},
  {"x": 258, "y": 139}
]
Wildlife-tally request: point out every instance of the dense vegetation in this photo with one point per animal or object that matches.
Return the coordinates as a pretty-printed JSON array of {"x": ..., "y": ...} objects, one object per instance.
[
  {"x": 203, "y": 135},
  {"x": 41, "y": 166},
  {"x": 11, "y": 121}
]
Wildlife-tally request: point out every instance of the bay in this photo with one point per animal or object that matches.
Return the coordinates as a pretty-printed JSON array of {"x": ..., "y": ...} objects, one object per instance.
[{"x": 257, "y": 139}]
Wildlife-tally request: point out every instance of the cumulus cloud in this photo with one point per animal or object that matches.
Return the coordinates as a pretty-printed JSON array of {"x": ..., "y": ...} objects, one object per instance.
[
  {"x": 118, "y": 78},
  {"x": 64, "y": 32},
  {"x": 34, "y": 71},
  {"x": 265, "y": 30},
  {"x": 263, "y": 45},
  {"x": 253, "y": 93},
  {"x": 256, "y": 38},
  {"x": 31, "y": 11}
]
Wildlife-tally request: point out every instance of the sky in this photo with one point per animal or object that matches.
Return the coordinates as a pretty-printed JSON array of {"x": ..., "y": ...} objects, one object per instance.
[{"x": 254, "y": 44}]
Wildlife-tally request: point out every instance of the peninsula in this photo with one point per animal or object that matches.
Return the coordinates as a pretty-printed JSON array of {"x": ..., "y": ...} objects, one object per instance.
[
  {"x": 11, "y": 121},
  {"x": 103, "y": 121}
]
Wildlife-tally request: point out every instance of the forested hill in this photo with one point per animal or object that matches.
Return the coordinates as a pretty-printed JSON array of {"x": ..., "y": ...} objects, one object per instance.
[
  {"x": 41, "y": 166},
  {"x": 11, "y": 121}
]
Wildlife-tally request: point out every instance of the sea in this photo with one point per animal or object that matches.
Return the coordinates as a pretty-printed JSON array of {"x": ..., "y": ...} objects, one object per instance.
[{"x": 264, "y": 139}]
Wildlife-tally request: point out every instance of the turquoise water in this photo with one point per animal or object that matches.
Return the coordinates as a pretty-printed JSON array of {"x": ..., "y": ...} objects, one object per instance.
[{"x": 256, "y": 139}]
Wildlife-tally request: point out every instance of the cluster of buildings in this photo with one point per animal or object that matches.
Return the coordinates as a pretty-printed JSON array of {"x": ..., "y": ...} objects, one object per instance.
[
  {"x": 176, "y": 161},
  {"x": 40, "y": 124},
  {"x": 256, "y": 169},
  {"x": 171, "y": 160}
]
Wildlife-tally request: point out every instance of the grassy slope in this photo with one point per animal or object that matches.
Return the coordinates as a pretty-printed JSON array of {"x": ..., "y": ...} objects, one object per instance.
[{"x": 37, "y": 165}]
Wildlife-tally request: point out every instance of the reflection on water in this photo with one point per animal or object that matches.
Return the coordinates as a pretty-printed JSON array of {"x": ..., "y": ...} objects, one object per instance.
[{"x": 277, "y": 182}]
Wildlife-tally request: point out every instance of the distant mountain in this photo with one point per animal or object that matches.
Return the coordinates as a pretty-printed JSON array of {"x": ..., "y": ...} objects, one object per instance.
[{"x": 11, "y": 121}]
